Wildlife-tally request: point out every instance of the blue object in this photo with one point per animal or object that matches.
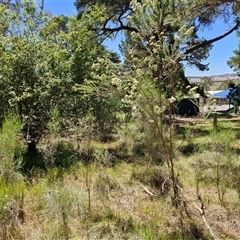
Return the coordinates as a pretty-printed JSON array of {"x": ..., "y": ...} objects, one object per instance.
[{"x": 222, "y": 94}]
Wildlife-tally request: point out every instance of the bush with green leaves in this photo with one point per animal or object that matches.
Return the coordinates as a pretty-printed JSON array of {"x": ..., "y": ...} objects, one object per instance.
[
  {"x": 101, "y": 96},
  {"x": 33, "y": 69},
  {"x": 42, "y": 58}
]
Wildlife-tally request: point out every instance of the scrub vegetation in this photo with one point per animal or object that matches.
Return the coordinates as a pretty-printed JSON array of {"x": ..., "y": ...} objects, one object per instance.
[
  {"x": 113, "y": 190},
  {"x": 92, "y": 147}
]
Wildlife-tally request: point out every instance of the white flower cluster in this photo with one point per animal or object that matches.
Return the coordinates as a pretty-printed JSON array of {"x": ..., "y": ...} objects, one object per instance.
[
  {"x": 135, "y": 36},
  {"x": 157, "y": 110},
  {"x": 135, "y": 5},
  {"x": 184, "y": 31},
  {"x": 100, "y": 60},
  {"x": 189, "y": 31},
  {"x": 96, "y": 66},
  {"x": 139, "y": 72},
  {"x": 103, "y": 76},
  {"x": 172, "y": 99},
  {"x": 117, "y": 82},
  {"x": 130, "y": 91},
  {"x": 93, "y": 75},
  {"x": 193, "y": 89}
]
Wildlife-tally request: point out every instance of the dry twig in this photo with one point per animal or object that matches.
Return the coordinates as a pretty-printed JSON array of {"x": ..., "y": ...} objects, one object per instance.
[{"x": 148, "y": 191}]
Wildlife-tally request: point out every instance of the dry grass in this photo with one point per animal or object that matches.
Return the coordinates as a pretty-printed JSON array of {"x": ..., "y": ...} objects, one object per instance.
[
  {"x": 120, "y": 208},
  {"x": 134, "y": 200}
]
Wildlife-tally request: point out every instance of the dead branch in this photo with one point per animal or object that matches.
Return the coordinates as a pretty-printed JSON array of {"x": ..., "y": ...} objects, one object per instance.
[
  {"x": 163, "y": 185},
  {"x": 202, "y": 214},
  {"x": 148, "y": 192}
]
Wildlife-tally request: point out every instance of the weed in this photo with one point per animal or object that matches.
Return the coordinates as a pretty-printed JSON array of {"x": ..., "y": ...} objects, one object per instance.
[{"x": 10, "y": 148}]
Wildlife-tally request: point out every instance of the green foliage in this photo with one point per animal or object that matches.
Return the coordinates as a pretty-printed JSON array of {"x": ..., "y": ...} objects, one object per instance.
[
  {"x": 12, "y": 186},
  {"x": 63, "y": 156},
  {"x": 83, "y": 47},
  {"x": 33, "y": 67},
  {"x": 220, "y": 169},
  {"x": 59, "y": 154},
  {"x": 92, "y": 68},
  {"x": 43, "y": 60},
  {"x": 10, "y": 190},
  {"x": 131, "y": 137},
  {"x": 234, "y": 61},
  {"x": 227, "y": 84},
  {"x": 216, "y": 163},
  {"x": 10, "y": 147},
  {"x": 54, "y": 175},
  {"x": 82, "y": 5},
  {"x": 101, "y": 96},
  {"x": 54, "y": 123},
  {"x": 236, "y": 107},
  {"x": 10, "y": 139}
]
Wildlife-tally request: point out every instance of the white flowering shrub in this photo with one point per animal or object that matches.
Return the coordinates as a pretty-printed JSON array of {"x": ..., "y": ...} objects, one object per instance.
[
  {"x": 156, "y": 80},
  {"x": 102, "y": 93}
]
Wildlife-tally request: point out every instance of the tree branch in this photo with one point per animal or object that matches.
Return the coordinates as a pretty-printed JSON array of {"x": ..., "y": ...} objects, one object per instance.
[
  {"x": 202, "y": 214},
  {"x": 208, "y": 42},
  {"x": 119, "y": 19},
  {"x": 148, "y": 191},
  {"x": 122, "y": 27}
]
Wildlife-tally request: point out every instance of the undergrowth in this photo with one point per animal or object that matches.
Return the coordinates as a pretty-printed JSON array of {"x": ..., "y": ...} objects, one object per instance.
[{"x": 114, "y": 198}]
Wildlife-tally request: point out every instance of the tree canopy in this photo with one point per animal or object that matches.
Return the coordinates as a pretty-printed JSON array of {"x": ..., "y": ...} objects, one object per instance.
[
  {"x": 200, "y": 13},
  {"x": 166, "y": 17},
  {"x": 43, "y": 58}
]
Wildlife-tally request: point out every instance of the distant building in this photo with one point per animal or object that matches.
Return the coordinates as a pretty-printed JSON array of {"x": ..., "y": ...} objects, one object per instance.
[
  {"x": 220, "y": 96},
  {"x": 223, "y": 102},
  {"x": 187, "y": 107}
]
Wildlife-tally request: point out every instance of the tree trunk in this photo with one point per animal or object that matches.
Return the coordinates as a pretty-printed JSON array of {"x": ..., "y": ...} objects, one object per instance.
[
  {"x": 32, "y": 148},
  {"x": 32, "y": 158}
]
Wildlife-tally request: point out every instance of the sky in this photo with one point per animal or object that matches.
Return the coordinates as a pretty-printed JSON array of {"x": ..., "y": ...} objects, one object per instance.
[{"x": 219, "y": 54}]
